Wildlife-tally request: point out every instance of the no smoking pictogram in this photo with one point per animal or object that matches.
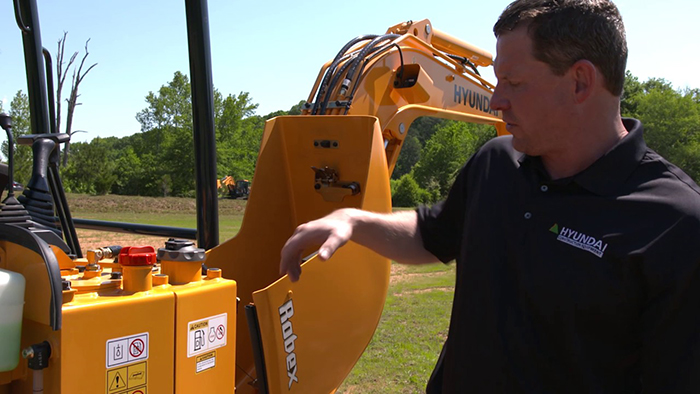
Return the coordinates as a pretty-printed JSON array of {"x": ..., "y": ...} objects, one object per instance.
[
  {"x": 220, "y": 331},
  {"x": 136, "y": 348}
]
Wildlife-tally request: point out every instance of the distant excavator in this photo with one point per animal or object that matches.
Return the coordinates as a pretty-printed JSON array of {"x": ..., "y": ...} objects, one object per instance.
[{"x": 228, "y": 187}]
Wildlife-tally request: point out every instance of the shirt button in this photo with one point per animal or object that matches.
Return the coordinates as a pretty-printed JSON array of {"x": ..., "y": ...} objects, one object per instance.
[
  {"x": 528, "y": 215},
  {"x": 544, "y": 188}
]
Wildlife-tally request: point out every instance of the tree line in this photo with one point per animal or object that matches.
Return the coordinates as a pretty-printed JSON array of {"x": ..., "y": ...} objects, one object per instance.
[
  {"x": 159, "y": 160},
  {"x": 435, "y": 150}
]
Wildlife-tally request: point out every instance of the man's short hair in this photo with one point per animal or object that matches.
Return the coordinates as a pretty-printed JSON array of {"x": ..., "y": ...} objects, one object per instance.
[{"x": 566, "y": 31}]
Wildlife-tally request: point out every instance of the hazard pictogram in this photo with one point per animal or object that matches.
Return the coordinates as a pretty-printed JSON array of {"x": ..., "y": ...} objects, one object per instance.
[
  {"x": 206, "y": 334},
  {"x": 118, "y": 382},
  {"x": 136, "y": 348},
  {"x": 126, "y": 350}
]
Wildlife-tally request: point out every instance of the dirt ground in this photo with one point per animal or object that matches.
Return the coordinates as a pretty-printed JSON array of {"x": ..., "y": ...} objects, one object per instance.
[{"x": 90, "y": 239}]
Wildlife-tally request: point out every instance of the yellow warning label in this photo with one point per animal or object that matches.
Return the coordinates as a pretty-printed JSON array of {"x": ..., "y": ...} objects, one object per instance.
[
  {"x": 116, "y": 381},
  {"x": 136, "y": 375},
  {"x": 206, "y": 361},
  {"x": 197, "y": 326},
  {"x": 129, "y": 379}
]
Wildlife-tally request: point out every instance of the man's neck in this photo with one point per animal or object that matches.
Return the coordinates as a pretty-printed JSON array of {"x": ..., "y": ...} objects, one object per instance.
[{"x": 580, "y": 153}]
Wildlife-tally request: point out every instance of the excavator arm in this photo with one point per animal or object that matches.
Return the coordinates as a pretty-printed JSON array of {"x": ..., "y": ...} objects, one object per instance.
[{"x": 411, "y": 71}]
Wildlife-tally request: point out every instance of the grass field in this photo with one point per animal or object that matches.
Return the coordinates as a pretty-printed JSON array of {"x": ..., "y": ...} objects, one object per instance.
[{"x": 405, "y": 347}]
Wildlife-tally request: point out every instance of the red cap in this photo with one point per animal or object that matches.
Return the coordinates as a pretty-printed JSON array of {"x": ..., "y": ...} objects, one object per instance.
[{"x": 137, "y": 255}]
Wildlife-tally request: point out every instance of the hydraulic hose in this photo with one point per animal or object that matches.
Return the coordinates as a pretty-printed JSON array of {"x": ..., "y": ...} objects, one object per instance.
[
  {"x": 379, "y": 52},
  {"x": 331, "y": 86},
  {"x": 464, "y": 61},
  {"x": 322, "y": 88},
  {"x": 374, "y": 51},
  {"x": 363, "y": 53}
]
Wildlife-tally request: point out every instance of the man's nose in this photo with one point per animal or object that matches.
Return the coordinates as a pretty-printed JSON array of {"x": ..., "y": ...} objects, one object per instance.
[{"x": 498, "y": 101}]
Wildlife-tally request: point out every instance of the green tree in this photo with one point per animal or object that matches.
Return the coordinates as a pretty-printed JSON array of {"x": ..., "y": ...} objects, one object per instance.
[
  {"x": 167, "y": 145},
  {"x": 296, "y": 109},
  {"x": 424, "y": 127},
  {"x": 631, "y": 92},
  {"x": 164, "y": 148},
  {"x": 92, "y": 167},
  {"x": 446, "y": 152},
  {"x": 171, "y": 107},
  {"x": 238, "y": 137},
  {"x": 671, "y": 119},
  {"x": 408, "y": 157},
  {"x": 21, "y": 125},
  {"x": 128, "y": 172},
  {"x": 407, "y": 193},
  {"x": 671, "y": 122}
]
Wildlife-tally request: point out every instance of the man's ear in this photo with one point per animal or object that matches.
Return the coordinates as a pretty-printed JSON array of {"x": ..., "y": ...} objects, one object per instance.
[{"x": 585, "y": 77}]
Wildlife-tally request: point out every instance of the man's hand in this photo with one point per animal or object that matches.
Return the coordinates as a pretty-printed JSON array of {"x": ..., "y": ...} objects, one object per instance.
[
  {"x": 332, "y": 231},
  {"x": 393, "y": 235}
]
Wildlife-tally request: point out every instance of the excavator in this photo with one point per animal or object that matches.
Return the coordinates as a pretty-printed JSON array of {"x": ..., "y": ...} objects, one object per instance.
[
  {"x": 196, "y": 315},
  {"x": 231, "y": 188}
]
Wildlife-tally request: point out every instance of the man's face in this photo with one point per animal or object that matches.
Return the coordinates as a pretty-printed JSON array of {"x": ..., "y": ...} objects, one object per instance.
[{"x": 536, "y": 104}]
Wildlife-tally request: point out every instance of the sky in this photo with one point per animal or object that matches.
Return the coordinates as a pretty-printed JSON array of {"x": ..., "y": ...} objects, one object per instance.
[{"x": 274, "y": 50}]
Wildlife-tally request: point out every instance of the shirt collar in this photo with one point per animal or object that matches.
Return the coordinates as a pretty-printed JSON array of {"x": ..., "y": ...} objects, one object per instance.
[{"x": 609, "y": 172}]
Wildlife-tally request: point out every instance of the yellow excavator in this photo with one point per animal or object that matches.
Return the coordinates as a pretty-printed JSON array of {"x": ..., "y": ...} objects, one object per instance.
[
  {"x": 231, "y": 188},
  {"x": 210, "y": 318}
]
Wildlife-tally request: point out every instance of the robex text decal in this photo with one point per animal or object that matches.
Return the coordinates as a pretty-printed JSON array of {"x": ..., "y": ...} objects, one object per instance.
[
  {"x": 473, "y": 99},
  {"x": 286, "y": 312}
]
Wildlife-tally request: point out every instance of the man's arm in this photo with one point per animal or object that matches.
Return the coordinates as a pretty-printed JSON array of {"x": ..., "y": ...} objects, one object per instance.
[{"x": 394, "y": 235}]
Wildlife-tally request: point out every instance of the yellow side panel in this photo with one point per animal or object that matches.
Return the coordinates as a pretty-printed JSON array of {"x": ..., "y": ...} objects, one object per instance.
[
  {"x": 205, "y": 343},
  {"x": 282, "y": 197},
  {"x": 100, "y": 333},
  {"x": 332, "y": 316}
]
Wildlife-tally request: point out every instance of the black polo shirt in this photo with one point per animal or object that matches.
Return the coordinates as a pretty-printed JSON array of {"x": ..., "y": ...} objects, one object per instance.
[{"x": 589, "y": 284}]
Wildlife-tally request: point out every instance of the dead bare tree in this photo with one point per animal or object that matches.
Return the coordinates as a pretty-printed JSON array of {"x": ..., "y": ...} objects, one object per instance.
[
  {"x": 72, "y": 100},
  {"x": 61, "y": 73}
]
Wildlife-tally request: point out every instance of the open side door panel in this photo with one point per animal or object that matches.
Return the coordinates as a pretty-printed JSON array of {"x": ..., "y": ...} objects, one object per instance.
[{"x": 307, "y": 168}]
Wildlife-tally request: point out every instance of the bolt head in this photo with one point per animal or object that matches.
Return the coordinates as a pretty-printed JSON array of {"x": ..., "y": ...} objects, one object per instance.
[{"x": 28, "y": 352}]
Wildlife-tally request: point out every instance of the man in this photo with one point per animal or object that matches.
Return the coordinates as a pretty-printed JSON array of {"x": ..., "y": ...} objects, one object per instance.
[{"x": 577, "y": 247}]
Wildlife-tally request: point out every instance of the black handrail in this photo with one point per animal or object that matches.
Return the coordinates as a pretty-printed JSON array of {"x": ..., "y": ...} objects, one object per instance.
[
  {"x": 203, "y": 122},
  {"x": 135, "y": 228}
]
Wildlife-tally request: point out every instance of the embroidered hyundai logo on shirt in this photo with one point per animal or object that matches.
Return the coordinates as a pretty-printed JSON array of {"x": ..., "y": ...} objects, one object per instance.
[{"x": 579, "y": 240}]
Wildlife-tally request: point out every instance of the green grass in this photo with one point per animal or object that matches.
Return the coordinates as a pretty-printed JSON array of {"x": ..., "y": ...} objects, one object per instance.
[
  {"x": 229, "y": 224},
  {"x": 170, "y": 211},
  {"x": 413, "y": 327}
]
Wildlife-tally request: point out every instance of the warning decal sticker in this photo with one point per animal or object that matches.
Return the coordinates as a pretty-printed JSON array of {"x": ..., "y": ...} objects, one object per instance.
[
  {"x": 206, "y": 334},
  {"x": 127, "y": 350},
  {"x": 206, "y": 361},
  {"x": 129, "y": 379}
]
